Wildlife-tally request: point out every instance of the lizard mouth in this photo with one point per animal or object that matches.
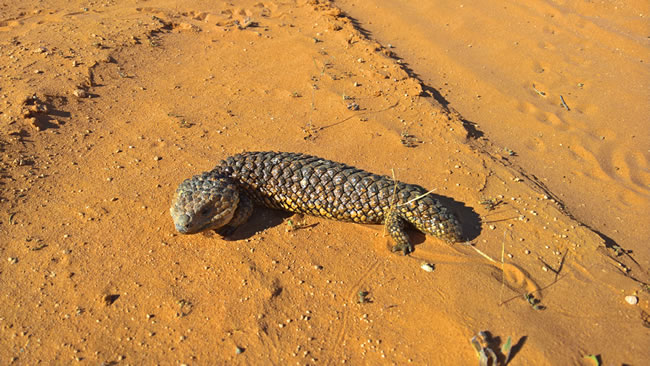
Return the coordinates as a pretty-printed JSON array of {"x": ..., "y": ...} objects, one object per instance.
[{"x": 183, "y": 226}]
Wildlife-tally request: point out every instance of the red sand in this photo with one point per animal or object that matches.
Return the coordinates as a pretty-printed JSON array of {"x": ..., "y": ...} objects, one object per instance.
[{"x": 106, "y": 107}]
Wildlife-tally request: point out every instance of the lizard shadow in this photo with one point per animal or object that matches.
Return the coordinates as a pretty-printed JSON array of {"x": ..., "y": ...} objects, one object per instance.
[
  {"x": 470, "y": 221},
  {"x": 262, "y": 219}
]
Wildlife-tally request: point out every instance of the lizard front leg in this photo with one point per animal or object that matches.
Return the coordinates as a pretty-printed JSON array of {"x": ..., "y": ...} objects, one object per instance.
[{"x": 242, "y": 213}]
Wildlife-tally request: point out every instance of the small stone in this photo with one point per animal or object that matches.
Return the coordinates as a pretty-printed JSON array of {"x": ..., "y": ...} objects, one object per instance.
[
  {"x": 427, "y": 267},
  {"x": 157, "y": 158},
  {"x": 12, "y": 260},
  {"x": 80, "y": 93},
  {"x": 239, "y": 350},
  {"x": 631, "y": 299}
]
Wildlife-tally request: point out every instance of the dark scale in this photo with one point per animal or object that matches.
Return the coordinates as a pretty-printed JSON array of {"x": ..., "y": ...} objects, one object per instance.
[{"x": 223, "y": 198}]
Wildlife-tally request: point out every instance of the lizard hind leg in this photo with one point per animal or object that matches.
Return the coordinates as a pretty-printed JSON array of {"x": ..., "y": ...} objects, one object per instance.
[
  {"x": 242, "y": 213},
  {"x": 395, "y": 225}
]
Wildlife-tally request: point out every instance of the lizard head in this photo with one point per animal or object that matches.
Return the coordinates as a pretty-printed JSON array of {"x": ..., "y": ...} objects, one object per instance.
[{"x": 204, "y": 202}]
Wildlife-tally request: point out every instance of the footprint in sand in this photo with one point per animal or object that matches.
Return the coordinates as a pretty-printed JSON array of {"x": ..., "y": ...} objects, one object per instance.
[
  {"x": 6, "y": 25},
  {"x": 535, "y": 144},
  {"x": 508, "y": 274},
  {"x": 620, "y": 164},
  {"x": 518, "y": 280},
  {"x": 554, "y": 120}
]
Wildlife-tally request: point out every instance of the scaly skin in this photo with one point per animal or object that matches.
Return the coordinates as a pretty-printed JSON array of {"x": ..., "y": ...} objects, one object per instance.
[{"x": 223, "y": 198}]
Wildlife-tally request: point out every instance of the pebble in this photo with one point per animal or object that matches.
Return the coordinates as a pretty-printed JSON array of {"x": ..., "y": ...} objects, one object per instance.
[
  {"x": 156, "y": 158},
  {"x": 80, "y": 93},
  {"x": 427, "y": 267},
  {"x": 631, "y": 299},
  {"x": 239, "y": 350}
]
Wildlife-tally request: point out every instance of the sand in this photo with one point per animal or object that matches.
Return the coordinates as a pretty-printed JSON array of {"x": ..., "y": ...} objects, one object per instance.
[{"x": 105, "y": 107}]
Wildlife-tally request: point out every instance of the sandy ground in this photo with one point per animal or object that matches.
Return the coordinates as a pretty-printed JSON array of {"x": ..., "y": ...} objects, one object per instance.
[
  {"x": 105, "y": 107},
  {"x": 562, "y": 85}
]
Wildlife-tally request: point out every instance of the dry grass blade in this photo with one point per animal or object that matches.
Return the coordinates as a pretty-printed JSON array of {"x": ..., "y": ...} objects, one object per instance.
[
  {"x": 416, "y": 198},
  {"x": 392, "y": 171},
  {"x": 481, "y": 253},
  {"x": 392, "y": 201}
]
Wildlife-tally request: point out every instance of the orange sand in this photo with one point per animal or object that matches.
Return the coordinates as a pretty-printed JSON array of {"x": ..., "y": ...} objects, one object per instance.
[{"x": 105, "y": 107}]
